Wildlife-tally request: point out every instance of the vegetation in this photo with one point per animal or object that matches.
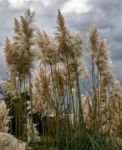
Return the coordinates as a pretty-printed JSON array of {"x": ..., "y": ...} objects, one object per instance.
[{"x": 79, "y": 105}]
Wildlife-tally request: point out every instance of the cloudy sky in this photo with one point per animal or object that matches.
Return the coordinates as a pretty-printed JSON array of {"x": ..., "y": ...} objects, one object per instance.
[{"x": 79, "y": 15}]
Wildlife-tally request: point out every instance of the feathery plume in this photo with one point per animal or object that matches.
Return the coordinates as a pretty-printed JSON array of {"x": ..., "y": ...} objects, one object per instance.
[
  {"x": 4, "y": 117},
  {"x": 42, "y": 99},
  {"x": 18, "y": 52},
  {"x": 87, "y": 109},
  {"x": 30, "y": 132},
  {"x": 60, "y": 80},
  {"x": 70, "y": 47},
  {"x": 116, "y": 105},
  {"x": 94, "y": 41},
  {"x": 48, "y": 51},
  {"x": 62, "y": 34},
  {"x": 9, "y": 54},
  {"x": 100, "y": 56}
]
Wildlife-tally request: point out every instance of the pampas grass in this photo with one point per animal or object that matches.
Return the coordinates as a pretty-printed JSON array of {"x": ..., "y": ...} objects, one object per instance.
[
  {"x": 18, "y": 50},
  {"x": 80, "y": 108},
  {"x": 70, "y": 47},
  {"x": 19, "y": 57},
  {"x": 42, "y": 99},
  {"x": 47, "y": 48}
]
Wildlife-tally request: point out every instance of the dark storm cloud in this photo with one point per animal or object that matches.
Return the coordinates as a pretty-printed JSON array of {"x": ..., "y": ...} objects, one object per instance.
[{"x": 106, "y": 14}]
